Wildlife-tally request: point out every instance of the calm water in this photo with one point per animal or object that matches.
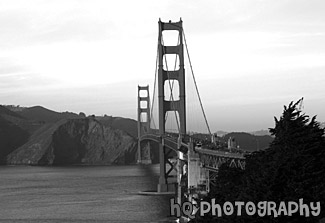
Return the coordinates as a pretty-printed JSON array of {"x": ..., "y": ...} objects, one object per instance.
[{"x": 80, "y": 194}]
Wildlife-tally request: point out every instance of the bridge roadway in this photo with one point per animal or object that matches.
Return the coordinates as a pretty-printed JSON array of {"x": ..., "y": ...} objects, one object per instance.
[
  {"x": 211, "y": 159},
  {"x": 166, "y": 140}
]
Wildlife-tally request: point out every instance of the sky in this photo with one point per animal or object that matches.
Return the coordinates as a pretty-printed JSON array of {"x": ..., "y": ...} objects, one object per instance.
[{"x": 249, "y": 57}]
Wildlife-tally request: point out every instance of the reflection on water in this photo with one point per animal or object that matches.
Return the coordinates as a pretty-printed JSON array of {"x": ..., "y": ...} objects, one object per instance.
[{"x": 80, "y": 194}]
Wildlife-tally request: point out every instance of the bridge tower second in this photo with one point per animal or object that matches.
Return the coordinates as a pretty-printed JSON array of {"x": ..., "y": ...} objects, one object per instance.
[
  {"x": 144, "y": 156},
  {"x": 170, "y": 105}
]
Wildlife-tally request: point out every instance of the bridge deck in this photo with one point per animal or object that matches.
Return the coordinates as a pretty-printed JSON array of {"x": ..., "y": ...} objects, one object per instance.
[
  {"x": 219, "y": 153},
  {"x": 171, "y": 142}
]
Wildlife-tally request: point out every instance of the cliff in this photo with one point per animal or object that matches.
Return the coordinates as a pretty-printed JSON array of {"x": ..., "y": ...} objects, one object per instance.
[{"x": 76, "y": 141}]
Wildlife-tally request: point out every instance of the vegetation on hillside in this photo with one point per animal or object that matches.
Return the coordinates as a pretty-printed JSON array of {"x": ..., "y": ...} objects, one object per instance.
[{"x": 44, "y": 115}]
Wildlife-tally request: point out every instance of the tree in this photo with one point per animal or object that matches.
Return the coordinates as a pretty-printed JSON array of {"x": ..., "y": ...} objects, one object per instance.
[
  {"x": 82, "y": 115},
  {"x": 293, "y": 167},
  {"x": 299, "y": 147}
]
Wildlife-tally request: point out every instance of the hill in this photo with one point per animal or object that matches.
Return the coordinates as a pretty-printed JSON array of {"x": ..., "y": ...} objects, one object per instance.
[
  {"x": 44, "y": 115},
  {"x": 250, "y": 142},
  {"x": 39, "y": 136},
  {"x": 130, "y": 126},
  {"x": 221, "y": 133},
  {"x": 262, "y": 132},
  {"x": 76, "y": 141},
  {"x": 6, "y": 111}
]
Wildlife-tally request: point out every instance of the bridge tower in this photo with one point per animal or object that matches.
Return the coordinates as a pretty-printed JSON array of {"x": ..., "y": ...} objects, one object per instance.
[
  {"x": 144, "y": 156},
  {"x": 164, "y": 105}
]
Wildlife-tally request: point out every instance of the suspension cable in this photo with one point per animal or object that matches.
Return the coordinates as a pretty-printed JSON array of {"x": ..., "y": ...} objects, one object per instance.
[
  {"x": 197, "y": 90},
  {"x": 154, "y": 89}
]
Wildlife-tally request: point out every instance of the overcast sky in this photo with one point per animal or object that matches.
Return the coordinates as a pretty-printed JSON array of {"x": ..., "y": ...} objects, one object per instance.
[{"x": 250, "y": 57}]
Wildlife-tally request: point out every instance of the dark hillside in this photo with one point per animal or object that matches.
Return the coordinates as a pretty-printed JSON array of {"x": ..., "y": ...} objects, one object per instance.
[
  {"x": 5, "y": 111},
  {"x": 14, "y": 132},
  {"x": 130, "y": 127},
  {"x": 76, "y": 141},
  {"x": 11, "y": 137},
  {"x": 127, "y": 125}
]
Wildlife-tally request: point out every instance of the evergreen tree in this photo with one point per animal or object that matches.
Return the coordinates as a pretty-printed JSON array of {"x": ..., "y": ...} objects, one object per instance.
[
  {"x": 299, "y": 147},
  {"x": 293, "y": 167}
]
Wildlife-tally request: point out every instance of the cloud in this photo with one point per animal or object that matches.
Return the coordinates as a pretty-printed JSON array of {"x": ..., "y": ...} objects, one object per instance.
[
  {"x": 210, "y": 16},
  {"x": 56, "y": 52},
  {"x": 41, "y": 22},
  {"x": 18, "y": 78}
]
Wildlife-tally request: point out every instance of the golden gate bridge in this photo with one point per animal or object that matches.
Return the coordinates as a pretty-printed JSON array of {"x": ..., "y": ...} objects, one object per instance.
[{"x": 179, "y": 151}]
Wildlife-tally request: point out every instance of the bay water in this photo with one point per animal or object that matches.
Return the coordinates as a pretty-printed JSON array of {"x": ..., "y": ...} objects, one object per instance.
[{"x": 81, "y": 194}]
